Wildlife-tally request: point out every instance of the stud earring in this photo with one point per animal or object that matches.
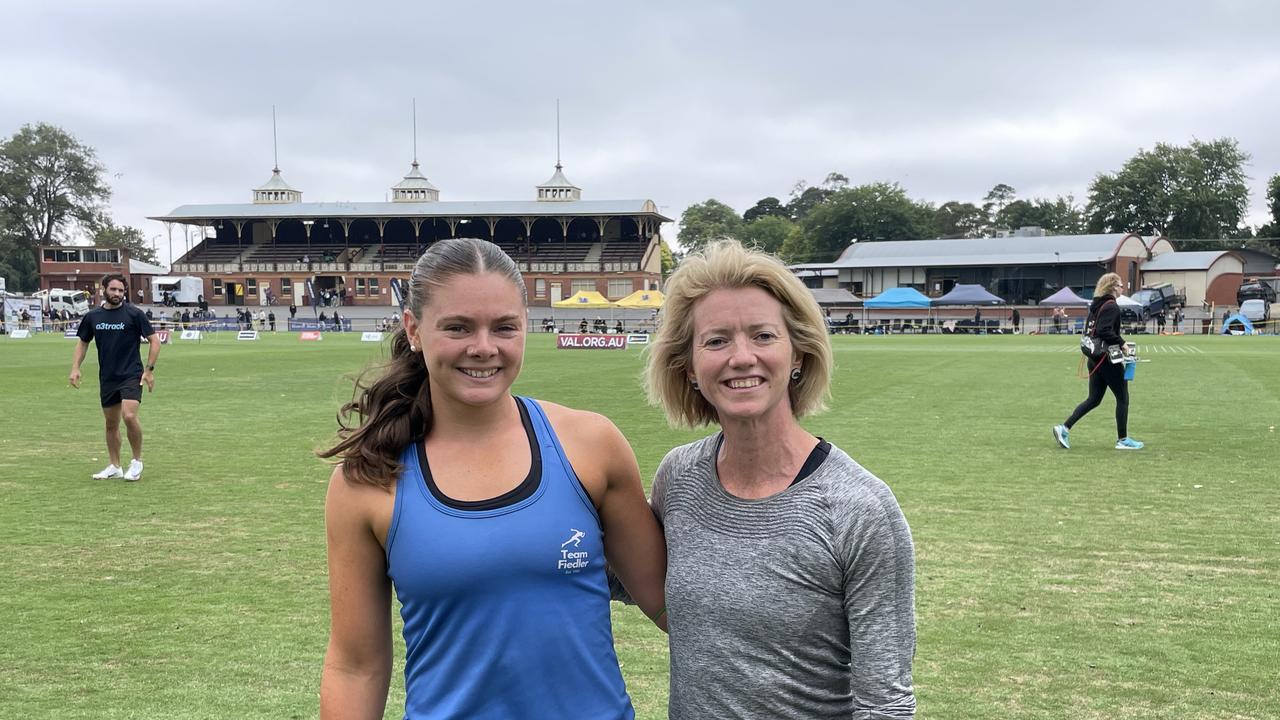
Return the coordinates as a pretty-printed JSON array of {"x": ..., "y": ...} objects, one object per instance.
[
  {"x": 795, "y": 375},
  {"x": 694, "y": 383}
]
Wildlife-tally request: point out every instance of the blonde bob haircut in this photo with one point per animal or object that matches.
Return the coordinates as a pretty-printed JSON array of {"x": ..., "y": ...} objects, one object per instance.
[
  {"x": 1107, "y": 285},
  {"x": 726, "y": 264}
]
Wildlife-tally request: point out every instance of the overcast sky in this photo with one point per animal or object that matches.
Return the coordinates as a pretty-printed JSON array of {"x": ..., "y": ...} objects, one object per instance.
[{"x": 674, "y": 102}]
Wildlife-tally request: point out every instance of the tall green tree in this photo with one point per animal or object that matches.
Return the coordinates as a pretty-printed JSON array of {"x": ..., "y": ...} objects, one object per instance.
[
  {"x": 960, "y": 220},
  {"x": 767, "y": 233},
  {"x": 997, "y": 198},
  {"x": 1197, "y": 191},
  {"x": 51, "y": 186},
  {"x": 765, "y": 207},
  {"x": 876, "y": 211},
  {"x": 705, "y": 222},
  {"x": 1058, "y": 217}
]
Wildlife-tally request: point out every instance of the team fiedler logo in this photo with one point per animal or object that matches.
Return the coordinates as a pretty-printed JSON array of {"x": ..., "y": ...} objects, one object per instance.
[{"x": 572, "y": 559}]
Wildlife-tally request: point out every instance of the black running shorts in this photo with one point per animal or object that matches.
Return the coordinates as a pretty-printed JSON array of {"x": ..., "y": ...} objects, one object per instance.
[{"x": 115, "y": 393}]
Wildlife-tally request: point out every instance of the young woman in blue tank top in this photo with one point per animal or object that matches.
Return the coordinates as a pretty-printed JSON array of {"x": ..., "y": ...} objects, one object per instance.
[{"x": 490, "y": 517}]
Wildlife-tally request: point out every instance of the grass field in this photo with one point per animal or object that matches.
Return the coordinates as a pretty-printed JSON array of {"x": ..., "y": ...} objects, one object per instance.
[{"x": 1050, "y": 584}]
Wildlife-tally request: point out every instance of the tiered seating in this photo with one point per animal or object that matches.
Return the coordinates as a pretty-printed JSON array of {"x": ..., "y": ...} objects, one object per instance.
[
  {"x": 623, "y": 251},
  {"x": 268, "y": 253},
  {"x": 213, "y": 252}
]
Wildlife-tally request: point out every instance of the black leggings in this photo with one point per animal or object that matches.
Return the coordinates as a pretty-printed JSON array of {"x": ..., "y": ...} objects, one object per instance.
[{"x": 1109, "y": 375}]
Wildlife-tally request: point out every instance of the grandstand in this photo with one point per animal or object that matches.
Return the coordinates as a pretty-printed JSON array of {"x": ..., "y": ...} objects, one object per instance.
[{"x": 560, "y": 242}]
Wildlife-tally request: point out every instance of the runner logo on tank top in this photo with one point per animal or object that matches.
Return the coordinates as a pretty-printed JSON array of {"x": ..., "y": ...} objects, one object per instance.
[{"x": 571, "y": 559}]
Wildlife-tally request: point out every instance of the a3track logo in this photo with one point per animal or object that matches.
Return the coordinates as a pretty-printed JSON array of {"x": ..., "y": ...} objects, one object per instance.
[{"x": 572, "y": 559}]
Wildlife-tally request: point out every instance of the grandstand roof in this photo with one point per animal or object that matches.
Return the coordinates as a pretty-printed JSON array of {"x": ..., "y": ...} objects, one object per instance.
[
  {"x": 1048, "y": 250},
  {"x": 515, "y": 208}
]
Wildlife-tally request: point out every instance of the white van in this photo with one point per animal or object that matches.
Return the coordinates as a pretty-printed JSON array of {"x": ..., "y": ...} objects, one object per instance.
[
  {"x": 178, "y": 290},
  {"x": 75, "y": 302}
]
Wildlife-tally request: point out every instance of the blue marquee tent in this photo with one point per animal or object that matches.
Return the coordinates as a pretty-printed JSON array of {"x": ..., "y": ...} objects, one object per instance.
[
  {"x": 1237, "y": 322},
  {"x": 901, "y": 297}
]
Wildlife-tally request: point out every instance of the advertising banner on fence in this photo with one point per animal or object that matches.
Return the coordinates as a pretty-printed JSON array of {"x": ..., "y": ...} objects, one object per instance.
[
  {"x": 310, "y": 336},
  {"x": 566, "y": 341},
  {"x": 14, "y": 317}
]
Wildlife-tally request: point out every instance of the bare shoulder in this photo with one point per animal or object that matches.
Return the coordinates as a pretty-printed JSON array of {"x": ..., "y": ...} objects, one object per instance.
[
  {"x": 584, "y": 424},
  {"x": 349, "y": 503}
]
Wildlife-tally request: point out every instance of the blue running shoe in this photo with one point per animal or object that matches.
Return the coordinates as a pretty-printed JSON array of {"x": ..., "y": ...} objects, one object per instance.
[
  {"x": 1060, "y": 434},
  {"x": 1128, "y": 444}
]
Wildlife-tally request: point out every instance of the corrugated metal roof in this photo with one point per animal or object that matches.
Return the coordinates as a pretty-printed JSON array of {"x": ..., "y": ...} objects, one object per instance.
[
  {"x": 1048, "y": 250},
  {"x": 1183, "y": 260},
  {"x": 515, "y": 208},
  {"x": 137, "y": 267}
]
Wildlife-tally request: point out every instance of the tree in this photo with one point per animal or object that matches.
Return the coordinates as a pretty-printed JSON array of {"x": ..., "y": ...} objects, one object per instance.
[
  {"x": 1272, "y": 229},
  {"x": 877, "y": 211},
  {"x": 765, "y": 207},
  {"x": 804, "y": 199},
  {"x": 1057, "y": 217},
  {"x": 960, "y": 220},
  {"x": 668, "y": 260},
  {"x": 997, "y": 198},
  {"x": 705, "y": 222},
  {"x": 1189, "y": 192},
  {"x": 108, "y": 234},
  {"x": 767, "y": 233},
  {"x": 51, "y": 185}
]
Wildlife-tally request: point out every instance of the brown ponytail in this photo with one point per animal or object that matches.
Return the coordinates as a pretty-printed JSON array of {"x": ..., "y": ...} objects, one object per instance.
[{"x": 391, "y": 402}]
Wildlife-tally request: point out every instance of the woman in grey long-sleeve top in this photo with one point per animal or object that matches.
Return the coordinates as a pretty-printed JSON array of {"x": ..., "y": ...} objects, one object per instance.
[{"x": 790, "y": 570}]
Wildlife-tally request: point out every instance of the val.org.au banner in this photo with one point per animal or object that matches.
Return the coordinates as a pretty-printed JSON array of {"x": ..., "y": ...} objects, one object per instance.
[
  {"x": 13, "y": 308},
  {"x": 573, "y": 341}
]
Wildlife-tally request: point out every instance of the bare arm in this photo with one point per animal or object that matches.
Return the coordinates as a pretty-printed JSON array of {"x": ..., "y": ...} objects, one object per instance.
[
  {"x": 633, "y": 543},
  {"x": 357, "y": 664},
  {"x": 153, "y": 352},
  {"x": 77, "y": 357}
]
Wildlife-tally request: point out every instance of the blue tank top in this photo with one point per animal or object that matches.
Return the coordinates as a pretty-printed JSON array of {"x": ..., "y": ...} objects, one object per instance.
[{"x": 504, "y": 601}]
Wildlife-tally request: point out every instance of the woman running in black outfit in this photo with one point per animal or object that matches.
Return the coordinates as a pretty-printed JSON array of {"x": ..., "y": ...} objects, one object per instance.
[{"x": 1104, "y": 324}]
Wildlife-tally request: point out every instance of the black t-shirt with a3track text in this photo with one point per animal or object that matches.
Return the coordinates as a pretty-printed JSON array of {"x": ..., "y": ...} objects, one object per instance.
[{"x": 118, "y": 334}]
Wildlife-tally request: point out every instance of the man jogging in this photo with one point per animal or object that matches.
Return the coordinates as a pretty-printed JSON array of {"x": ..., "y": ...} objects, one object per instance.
[{"x": 117, "y": 329}]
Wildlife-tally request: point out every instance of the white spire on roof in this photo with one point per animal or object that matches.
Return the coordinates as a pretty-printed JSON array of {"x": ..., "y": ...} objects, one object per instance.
[
  {"x": 558, "y": 188},
  {"x": 276, "y": 190},
  {"x": 415, "y": 187}
]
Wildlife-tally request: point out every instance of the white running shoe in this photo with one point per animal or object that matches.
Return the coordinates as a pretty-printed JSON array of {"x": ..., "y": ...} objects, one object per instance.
[
  {"x": 134, "y": 472},
  {"x": 110, "y": 471}
]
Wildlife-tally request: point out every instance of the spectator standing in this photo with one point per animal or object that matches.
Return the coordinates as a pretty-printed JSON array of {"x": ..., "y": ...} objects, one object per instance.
[
  {"x": 1017, "y": 320},
  {"x": 271, "y": 318},
  {"x": 117, "y": 329}
]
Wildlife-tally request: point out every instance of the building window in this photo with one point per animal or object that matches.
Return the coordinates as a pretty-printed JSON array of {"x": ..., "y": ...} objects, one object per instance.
[
  {"x": 50, "y": 255},
  {"x": 539, "y": 288},
  {"x": 217, "y": 287},
  {"x": 582, "y": 286},
  {"x": 251, "y": 286},
  {"x": 620, "y": 288},
  {"x": 373, "y": 286},
  {"x": 359, "y": 287},
  {"x": 286, "y": 287}
]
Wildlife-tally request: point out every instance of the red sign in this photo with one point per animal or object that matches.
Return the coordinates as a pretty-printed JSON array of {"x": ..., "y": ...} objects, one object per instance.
[
  {"x": 309, "y": 335},
  {"x": 566, "y": 341}
]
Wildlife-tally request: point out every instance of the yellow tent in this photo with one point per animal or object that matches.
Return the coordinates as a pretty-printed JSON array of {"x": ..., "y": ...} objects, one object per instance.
[
  {"x": 642, "y": 300},
  {"x": 586, "y": 299}
]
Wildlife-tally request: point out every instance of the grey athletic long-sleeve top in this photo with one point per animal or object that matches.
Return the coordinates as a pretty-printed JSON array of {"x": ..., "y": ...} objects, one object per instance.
[{"x": 799, "y": 605}]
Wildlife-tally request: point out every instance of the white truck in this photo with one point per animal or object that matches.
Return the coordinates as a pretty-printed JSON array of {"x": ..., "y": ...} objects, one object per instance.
[
  {"x": 175, "y": 290},
  {"x": 75, "y": 302}
]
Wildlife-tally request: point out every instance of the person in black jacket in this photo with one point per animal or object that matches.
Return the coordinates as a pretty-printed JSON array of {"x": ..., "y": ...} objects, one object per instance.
[{"x": 1104, "y": 324}]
